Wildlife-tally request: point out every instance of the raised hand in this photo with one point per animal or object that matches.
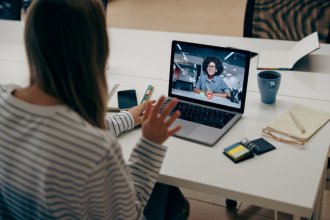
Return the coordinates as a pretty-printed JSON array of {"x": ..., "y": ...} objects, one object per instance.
[{"x": 154, "y": 126}]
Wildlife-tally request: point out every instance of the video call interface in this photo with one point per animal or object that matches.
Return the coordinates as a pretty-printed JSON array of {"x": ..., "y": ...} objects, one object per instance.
[{"x": 210, "y": 75}]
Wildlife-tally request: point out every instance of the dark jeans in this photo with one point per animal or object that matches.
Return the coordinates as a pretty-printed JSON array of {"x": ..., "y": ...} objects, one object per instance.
[{"x": 165, "y": 203}]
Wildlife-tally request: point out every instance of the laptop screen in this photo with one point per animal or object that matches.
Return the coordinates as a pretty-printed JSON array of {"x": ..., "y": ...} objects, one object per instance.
[{"x": 209, "y": 75}]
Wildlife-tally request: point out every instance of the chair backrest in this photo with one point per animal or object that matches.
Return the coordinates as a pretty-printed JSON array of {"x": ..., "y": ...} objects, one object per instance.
[
  {"x": 183, "y": 85},
  {"x": 287, "y": 19},
  {"x": 10, "y": 9}
]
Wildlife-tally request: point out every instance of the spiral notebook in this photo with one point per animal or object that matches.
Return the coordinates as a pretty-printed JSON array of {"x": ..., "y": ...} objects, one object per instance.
[
  {"x": 311, "y": 119},
  {"x": 246, "y": 149}
]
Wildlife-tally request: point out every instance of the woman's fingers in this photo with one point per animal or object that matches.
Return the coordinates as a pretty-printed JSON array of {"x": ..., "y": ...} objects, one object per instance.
[
  {"x": 168, "y": 109},
  {"x": 142, "y": 107},
  {"x": 172, "y": 118},
  {"x": 157, "y": 107},
  {"x": 148, "y": 111},
  {"x": 174, "y": 130}
]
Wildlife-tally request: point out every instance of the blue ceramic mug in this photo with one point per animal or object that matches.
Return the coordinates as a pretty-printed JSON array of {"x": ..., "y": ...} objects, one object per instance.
[{"x": 269, "y": 83}]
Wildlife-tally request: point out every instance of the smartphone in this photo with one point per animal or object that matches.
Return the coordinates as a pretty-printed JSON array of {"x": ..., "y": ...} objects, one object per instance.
[{"x": 127, "y": 99}]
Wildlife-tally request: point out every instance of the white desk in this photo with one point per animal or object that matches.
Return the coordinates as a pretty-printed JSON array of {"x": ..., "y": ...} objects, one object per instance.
[
  {"x": 148, "y": 53},
  {"x": 286, "y": 179},
  {"x": 5, "y": 25},
  {"x": 273, "y": 180}
]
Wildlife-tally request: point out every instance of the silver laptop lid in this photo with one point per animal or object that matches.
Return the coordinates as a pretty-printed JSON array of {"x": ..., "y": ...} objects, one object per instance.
[{"x": 209, "y": 75}]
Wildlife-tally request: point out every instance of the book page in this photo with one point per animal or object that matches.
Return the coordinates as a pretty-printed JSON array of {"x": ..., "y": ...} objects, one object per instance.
[
  {"x": 140, "y": 90},
  {"x": 311, "y": 119},
  {"x": 275, "y": 59},
  {"x": 305, "y": 46}
]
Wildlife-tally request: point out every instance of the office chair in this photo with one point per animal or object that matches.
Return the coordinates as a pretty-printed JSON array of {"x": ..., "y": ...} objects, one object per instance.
[
  {"x": 10, "y": 9},
  {"x": 287, "y": 19},
  {"x": 183, "y": 85}
]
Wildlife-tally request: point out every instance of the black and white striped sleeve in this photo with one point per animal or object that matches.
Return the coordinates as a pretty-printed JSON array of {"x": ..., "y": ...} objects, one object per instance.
[
  {"x": 117, "y": 191},
  {"x": 119, "y": 123},
  {"x": 145, "y": 163}
]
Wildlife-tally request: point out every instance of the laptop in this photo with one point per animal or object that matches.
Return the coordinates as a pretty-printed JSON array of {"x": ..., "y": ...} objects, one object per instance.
[{"x": 210, "y": 83}]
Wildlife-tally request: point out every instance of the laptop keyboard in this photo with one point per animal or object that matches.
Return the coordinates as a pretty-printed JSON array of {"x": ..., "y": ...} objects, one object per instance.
[{"x": 201, "y": 115}]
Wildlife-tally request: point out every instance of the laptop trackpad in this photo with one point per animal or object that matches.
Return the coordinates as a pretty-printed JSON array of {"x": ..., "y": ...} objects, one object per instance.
[{"x": 187, "y": 127}]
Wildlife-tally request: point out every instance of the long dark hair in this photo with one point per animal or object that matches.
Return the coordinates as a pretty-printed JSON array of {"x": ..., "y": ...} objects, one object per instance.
[
  {"x": 67, "y": 48},
  {"x": 218, "y": 65}
]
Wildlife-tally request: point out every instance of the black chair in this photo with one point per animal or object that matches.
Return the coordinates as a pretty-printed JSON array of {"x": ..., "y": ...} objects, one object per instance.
[
  {"x": 287, "y": 19},
  {"x": 183, "y": 85},
  {"x": 10, "y": 9}
]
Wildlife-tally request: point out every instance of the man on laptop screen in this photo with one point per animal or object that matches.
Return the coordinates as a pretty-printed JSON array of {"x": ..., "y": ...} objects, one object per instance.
[
  {"x": 210, "y": 83},
  {"x": 217, "y": 76}
]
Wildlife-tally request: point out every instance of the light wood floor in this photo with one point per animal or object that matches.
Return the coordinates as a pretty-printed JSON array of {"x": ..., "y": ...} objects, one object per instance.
[{"x": 215, "y": 17}]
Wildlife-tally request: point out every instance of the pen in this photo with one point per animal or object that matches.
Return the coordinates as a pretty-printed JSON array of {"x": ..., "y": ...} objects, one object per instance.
[
  {"x": 301, "y": 128},
  {"x": 208, "y": 87}
]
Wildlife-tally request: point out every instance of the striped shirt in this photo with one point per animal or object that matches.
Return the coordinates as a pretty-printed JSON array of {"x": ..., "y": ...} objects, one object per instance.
[{"x": 55, "y": 165}]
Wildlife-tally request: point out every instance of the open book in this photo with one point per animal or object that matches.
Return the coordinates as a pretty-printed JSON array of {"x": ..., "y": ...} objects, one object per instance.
[
  {"x": 285, "y": 59},
  {"x": 311, "y": 119}
]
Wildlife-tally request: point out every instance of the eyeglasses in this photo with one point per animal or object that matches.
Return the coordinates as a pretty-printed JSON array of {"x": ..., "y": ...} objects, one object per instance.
[
  {"x": 284, "y": 137},
  {"x": 211, "y": 67}
]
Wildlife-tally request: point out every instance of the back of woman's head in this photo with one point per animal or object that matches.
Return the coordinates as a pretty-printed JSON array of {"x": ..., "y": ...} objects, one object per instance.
[{"x": 67, "y": 48}]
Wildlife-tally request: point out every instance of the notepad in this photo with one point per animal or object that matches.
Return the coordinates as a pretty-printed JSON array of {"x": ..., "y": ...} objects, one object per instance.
[
  {"x": 311, "y": 119},
  {"x": 237, "y": 151},
  {"x": 285, "y": 59},
  {"x": 246, "y": 149}
]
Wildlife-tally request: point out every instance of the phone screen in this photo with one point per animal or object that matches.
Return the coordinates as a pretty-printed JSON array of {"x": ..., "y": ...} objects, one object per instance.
[{"x": 127, "y": 99}]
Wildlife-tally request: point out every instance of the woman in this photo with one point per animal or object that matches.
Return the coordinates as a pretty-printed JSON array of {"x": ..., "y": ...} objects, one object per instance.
[
  {"x": 212, "y": 83},
  {"x": 58, "y": 158}
]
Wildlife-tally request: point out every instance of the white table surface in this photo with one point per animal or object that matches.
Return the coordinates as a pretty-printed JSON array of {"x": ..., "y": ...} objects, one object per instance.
[
  {"x": 285, "y": 179},
  {"x": 148, "y": 53},
  {"x": 5, "y": 25}
]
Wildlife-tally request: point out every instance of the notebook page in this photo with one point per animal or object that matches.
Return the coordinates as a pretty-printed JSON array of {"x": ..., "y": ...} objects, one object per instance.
[
  {"x": 275, "y": 59},
  {"x": 305, "y": 46},
  {"x": 311, "y": 119}
]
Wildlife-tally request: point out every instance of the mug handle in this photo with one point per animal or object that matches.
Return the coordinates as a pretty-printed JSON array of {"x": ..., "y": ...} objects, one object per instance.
[{"x": 272, "y": 86}]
